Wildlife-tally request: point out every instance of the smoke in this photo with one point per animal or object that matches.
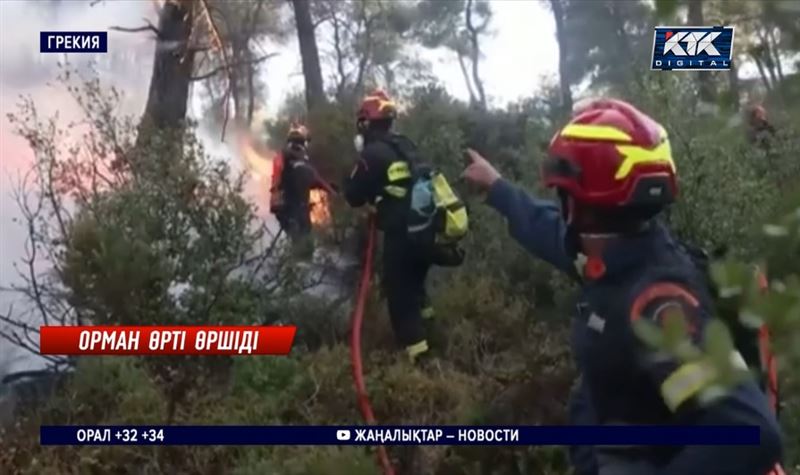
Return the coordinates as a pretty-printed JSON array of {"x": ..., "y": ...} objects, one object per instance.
[
  {"x": 22, "y": 66},
  {"x": 254, "y": 158},
  {"x": 26, "y": 71}
]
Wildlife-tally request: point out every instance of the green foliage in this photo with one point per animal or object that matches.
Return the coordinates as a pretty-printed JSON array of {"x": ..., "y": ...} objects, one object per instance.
[
  {"x": 444, "y": 23},
  {"x": 778, "y": 308},
  {"x": 666, "y": 8},
  {"x": 369, "y": 45},
  {"x": 622, "y": 27}
]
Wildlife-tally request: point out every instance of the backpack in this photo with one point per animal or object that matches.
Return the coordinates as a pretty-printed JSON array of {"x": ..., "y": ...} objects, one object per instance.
[
  {"x": 282, "y": 165},
  {"x": 276, "y": 198},
  {"x": 752, "y": 343},
  {"x": 437, "y": 218}
]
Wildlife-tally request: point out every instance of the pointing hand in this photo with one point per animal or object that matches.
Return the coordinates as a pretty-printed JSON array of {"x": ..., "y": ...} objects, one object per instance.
[{"x": 479, "y": 173}]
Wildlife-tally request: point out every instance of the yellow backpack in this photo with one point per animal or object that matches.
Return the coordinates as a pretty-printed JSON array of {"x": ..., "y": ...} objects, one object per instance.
[{"x": 437, "y": 217}]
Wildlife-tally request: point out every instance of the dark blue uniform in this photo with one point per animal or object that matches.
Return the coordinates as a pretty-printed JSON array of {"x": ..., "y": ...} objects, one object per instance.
[
  {"x": 382, "y": 177},
  {"x": 645, "y": 276}
]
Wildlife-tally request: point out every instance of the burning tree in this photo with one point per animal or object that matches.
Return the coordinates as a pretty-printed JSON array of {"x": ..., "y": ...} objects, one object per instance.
[
  {"x": 212, "y": 41},
  {"x": 152, "y": 241}
]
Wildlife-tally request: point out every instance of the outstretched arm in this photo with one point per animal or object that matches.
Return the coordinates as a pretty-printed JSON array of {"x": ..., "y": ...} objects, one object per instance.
[
  {"x": 319, "y": 183},
  {"x": 536, "y": 224}
]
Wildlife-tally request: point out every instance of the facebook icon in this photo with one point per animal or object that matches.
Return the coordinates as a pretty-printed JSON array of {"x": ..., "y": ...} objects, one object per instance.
[{"x": 693, "y": 48}]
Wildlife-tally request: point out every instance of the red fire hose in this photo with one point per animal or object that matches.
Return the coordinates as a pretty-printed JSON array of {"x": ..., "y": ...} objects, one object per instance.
[
  {"x": 355, "y": 345},
  {"x": 767, "y": 358}
]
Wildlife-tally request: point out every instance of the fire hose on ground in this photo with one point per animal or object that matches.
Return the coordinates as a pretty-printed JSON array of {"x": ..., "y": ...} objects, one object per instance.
[{"x": 355, "y": 345}]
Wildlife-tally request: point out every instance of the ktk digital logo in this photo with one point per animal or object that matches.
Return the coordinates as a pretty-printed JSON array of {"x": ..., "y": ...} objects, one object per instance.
[{"x": 692, "y": 48}]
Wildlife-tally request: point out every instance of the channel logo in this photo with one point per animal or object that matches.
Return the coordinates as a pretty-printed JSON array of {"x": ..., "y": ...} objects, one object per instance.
[
  {"x": 342, "y": 434},
  {"x": 693, "y": 48}
]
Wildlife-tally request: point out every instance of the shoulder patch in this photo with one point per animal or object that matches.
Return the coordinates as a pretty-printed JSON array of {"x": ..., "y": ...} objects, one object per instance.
[{"x": 658, "y": 300}]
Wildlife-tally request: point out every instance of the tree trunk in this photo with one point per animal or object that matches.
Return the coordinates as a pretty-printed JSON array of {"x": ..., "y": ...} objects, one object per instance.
[
  {"x": 251, "y": 91},
  {"x": 705, "y": 81},
  {"x": 366, "y": 53},
  {"x": 566, "y": 91},
  {"x": 766, "y": 57},
  {"x": 476, "y": 57},
  {"x": 776, "y": 52},
  {"x": 237, "y": 53},
  {"x": 761, "y": 71},
  {"x": 341, "y": 80},
  {"x": 733, "y": 85},
  {"x": 172, "y": 69},
  {"x": 312, "y": 72},
  {"x": 472, "y": 98}
]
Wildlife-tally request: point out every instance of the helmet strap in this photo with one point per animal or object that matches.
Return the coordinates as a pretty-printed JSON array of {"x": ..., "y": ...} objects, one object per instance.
[
  {"x": 593, "y": 221},
  {"x": 380, "y": 125}
]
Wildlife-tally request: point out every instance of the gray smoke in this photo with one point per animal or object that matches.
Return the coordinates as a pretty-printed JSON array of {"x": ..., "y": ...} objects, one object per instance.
[
  {"x": 127, "y": 66},
  {"x": 26, "y": 71}
]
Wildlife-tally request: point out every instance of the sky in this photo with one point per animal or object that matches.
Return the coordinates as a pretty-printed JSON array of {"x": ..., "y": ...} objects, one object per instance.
[{"x": 520, "y": 52}]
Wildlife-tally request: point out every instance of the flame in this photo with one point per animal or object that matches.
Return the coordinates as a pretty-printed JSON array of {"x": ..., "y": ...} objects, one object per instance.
[
  {"x": 320, "y": 212},
  {"x": 259, "y": 164},
  {"x": 257, "y": 160}
]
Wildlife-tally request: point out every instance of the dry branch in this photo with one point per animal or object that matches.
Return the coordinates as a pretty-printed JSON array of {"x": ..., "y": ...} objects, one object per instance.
[
  {"x": 148, "y": 27},
  {"x": 227, "y": 67}
]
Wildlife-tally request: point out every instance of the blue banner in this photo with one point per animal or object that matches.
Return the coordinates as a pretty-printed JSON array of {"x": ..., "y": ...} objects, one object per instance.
[
  {"x": 400, "y": 435},
  {"x": 693, "y": 48},
  {"x": 73, "y": 42}
]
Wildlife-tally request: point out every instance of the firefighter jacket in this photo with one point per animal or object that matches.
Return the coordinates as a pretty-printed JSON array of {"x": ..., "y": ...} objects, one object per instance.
[
  {"x": 644, "y": 276},
  {"x": 382, "y": 177},
  {"x": 296, "y": 177}
]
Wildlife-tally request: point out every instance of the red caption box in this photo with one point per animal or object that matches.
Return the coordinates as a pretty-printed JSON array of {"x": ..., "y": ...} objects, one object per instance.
[{"x": 173, "y": 340}]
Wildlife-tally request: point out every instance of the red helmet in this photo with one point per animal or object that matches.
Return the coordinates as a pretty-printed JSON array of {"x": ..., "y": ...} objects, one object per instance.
[
  {"x": 612, "y": 155},
  {"x": 377, "y": 106},
  {"x": 758, "y": 113},
  {"x": 297, "y": 131}
]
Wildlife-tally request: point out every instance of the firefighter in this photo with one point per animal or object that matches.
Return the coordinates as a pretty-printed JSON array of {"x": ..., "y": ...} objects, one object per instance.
[
  {"x": 293, "y": 179},
  {"x": 613, "y": 171},
  {"x": 381, "y": 178},
  {"x": 760, "y": 131}
]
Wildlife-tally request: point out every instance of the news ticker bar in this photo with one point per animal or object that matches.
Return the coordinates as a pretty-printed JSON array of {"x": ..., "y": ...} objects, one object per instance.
[
  {"x": 400, "y": 435},
  {"x": 166, "y": 340}
]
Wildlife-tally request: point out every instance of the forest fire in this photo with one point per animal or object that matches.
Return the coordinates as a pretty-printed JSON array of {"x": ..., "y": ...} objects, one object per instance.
[
  {"x": 258, "y": 163},
  {"x": 258, "y": 160},
  {"x": 320, "y": 208}
]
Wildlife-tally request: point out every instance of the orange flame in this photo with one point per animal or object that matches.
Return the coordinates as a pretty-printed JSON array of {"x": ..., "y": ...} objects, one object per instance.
[
  {"x": 258, "y": 161},
  {"x": 320, "y": 212}
]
